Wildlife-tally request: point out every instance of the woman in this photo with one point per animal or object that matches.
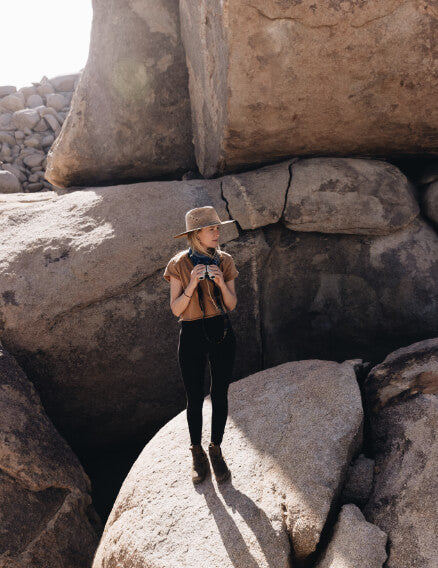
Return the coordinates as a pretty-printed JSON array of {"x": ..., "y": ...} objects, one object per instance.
[{"x": 201, "y": 293}]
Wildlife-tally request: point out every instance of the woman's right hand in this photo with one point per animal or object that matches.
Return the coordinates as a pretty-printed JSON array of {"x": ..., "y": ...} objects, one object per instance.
[{"x": 197, "y": 271}]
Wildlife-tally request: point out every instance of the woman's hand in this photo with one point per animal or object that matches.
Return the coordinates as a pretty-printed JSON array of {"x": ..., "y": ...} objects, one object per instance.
[
  {"x": 218, "y": 275},
  {"x": 197, "y": 271}
]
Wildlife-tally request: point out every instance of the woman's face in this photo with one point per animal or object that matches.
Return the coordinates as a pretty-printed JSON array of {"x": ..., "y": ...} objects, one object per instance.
[{"x": 209, "y": 236}]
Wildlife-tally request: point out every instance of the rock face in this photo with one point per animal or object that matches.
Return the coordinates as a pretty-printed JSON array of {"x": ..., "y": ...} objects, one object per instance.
[
  {"x": 271, "y": 79},
  {"x": 130, "y": 116},
  {"x": 348, "y": 295},
  {"x": 291, "y": 432},
  {"x": 401, "y": 395},
  {"x": 46, "y": 515},
  {"x": 98, "y": 257},
  {"x": 355, "y": 542}
]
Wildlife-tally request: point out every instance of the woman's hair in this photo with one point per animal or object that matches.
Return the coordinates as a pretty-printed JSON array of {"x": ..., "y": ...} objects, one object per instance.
[{"x": 196, "y": 244}]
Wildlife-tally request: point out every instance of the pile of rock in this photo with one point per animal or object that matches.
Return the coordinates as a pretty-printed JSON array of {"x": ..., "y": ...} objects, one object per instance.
[{"x": 30, "y": 120}]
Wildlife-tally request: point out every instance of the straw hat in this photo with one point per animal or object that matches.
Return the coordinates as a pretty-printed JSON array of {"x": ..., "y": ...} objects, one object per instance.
[{"x": 201, "y": 217}]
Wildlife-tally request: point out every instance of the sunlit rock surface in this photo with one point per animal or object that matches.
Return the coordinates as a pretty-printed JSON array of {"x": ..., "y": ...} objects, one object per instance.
[{"x": 291, "y": 433}]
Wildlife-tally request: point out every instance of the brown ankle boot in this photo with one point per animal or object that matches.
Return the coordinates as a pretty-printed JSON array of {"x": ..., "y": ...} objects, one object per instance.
[
  {"x": 199, "y": 464},
  {"x": 220, "y": 468}
]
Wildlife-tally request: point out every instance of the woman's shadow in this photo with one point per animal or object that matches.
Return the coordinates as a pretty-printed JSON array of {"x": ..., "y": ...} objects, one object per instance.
[{"x": 270, "y": 542}]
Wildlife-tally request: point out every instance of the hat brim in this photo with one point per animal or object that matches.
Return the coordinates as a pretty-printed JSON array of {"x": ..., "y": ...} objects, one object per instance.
[{"x": 212, "y": 225}]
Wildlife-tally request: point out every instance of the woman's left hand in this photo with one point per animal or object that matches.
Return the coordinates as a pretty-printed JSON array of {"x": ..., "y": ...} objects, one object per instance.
[{"x": 218, "y": 275}]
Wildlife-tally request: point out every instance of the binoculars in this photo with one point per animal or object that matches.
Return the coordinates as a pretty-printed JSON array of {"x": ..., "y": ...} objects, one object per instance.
[{"x": 207, "y": 274}]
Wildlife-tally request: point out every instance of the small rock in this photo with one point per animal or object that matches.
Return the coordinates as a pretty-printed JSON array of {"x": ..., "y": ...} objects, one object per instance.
[
  {"x": 359, "y": 484},
  {"x": 64, "y": 82},
  {"x": 34, "y": 101},
  {"x": 47, "y": 140},
  {"x": 33, "y": 160},
  {"x": 27, "y": 118},
  {"x": 35, "y": 187},
  {"x": 45, "y": 87},
  {"x": 355, "y": 542},
  {"x": 19, "y": 135},
  {"x": 6, "y": 122},
  {"x": 41, "y": 126},
  {"x": 7, "y": 90},
  {"x": 26, "y": 152},
  {"x": 44, "y": 111},
  {"x": 56, "y": 101},
  {"x": 32, "y": 142},
  {"x": 28, "y": 91},
  {"x": 13, "y": 102},
  {"x": 68, "y": 95},
  {"x": 14, "y": 170},
  {"x": 7, "y": 137},
  {"x": 9, "y": 183},
  {"x": 5, "y": 150},
  {"x": 53, "y": 123},
  {"x": 36, "y": 177}
]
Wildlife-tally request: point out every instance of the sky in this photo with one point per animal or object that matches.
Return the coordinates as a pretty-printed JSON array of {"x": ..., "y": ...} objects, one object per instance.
[{"x": 45, "y": 37}]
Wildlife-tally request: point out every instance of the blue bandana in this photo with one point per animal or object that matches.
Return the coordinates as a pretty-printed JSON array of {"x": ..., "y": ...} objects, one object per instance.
[{"x": 199, "y": 258}]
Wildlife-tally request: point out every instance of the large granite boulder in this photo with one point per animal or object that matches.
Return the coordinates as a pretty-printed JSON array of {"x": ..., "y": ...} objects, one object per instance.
[
  {"x": 270, "y": 79},
  {"x": 355, "y": 543},
  {"x": 130, "y": 115},
  {"x": 290, "y": 435},
  {"x": 401, "y": 396},
  {"x": 46, "y": 515}
]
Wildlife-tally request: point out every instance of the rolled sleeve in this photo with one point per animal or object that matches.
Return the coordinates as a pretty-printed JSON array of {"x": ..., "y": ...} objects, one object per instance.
[
  {"x": 171, "y": 270},
  {"x": 230, "y": 271}
]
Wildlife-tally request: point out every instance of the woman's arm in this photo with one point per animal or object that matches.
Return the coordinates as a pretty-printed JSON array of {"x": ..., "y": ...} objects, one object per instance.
[
  {"x": 178, "y": 300},
  {"x": 229, "y": 294}
]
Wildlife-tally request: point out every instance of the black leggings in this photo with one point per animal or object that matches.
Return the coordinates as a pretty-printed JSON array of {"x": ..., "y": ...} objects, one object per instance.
[{"x": 193, "y": 350}]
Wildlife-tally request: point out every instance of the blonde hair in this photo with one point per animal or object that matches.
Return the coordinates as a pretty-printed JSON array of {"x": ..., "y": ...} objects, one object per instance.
[{"x": 196, "y": 245}]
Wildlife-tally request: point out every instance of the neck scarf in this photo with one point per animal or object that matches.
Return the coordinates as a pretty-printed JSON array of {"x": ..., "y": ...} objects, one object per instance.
[{"x": 199, "y": 258}]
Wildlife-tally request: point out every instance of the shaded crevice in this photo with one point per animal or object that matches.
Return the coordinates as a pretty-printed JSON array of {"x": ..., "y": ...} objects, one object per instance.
[
  {"x": 227, "y": 207},
  {"x": 361, "y": 372},
  {"x": 294, "y": 161},
  {"x": 272, "y": 243}
]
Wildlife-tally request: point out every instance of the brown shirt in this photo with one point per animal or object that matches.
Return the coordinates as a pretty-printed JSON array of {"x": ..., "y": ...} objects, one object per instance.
[{"x": 180, "y": 266}]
